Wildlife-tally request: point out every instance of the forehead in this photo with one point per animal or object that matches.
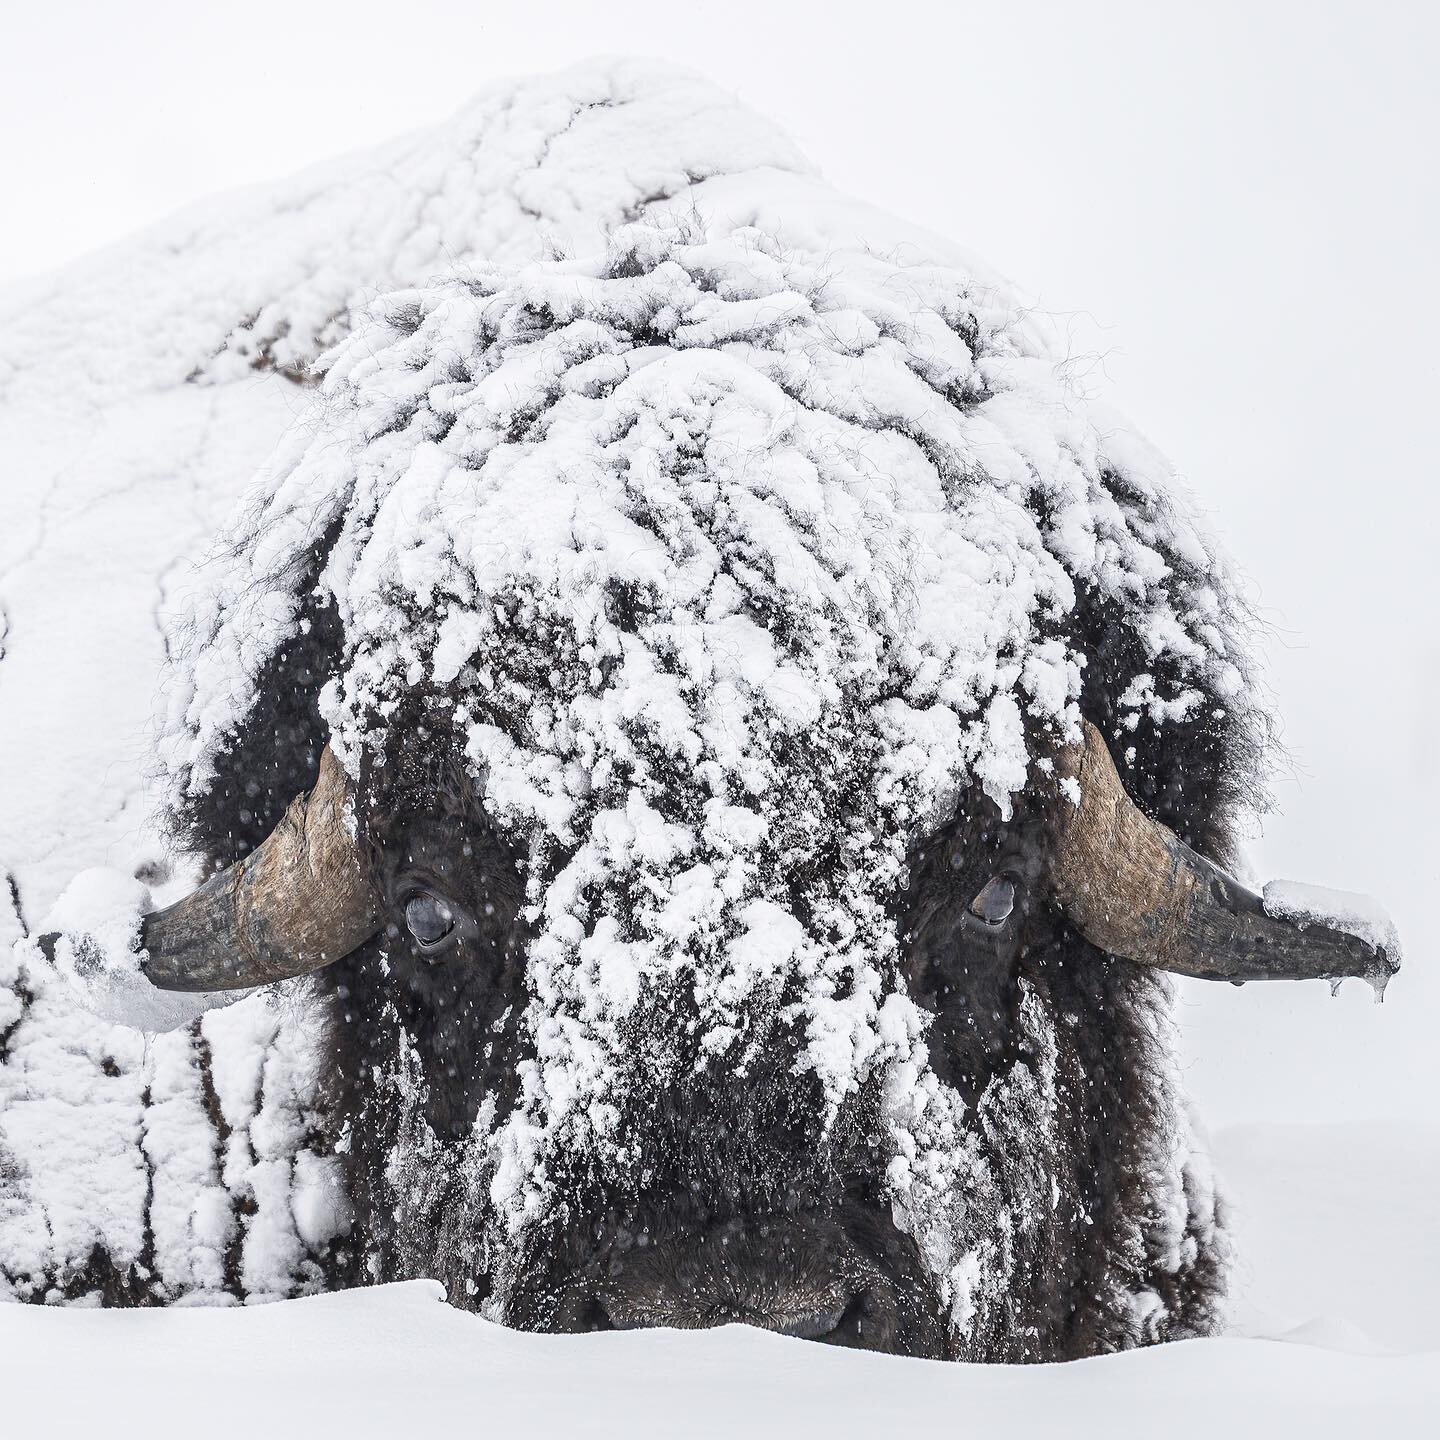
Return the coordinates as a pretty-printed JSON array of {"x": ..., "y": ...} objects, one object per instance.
[
  {"x": 424, "y": 806},
  {"x": 673, "y": 565}
]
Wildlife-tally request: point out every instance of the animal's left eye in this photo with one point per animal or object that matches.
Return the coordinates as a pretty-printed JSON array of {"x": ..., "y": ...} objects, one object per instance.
[
  {"x": 995, "y": 901},
  {"x": 429, "y": 918}
]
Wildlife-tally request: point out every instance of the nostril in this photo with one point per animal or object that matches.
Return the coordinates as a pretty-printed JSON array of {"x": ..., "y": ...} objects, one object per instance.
[
  {"x": 591, "y": 1316},
  {"x": 815, "y": 1326}
]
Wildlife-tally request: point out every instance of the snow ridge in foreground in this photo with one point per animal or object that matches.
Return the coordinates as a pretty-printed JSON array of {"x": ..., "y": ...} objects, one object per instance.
[{"x": 396, "y": 1361}]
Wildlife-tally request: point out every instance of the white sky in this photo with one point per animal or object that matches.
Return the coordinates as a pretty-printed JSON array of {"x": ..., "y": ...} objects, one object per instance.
[{"x": 1237, "y": 204}]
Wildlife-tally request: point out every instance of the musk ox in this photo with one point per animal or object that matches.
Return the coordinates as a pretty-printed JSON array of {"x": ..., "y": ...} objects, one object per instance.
[{"x": 725, "y": 750}]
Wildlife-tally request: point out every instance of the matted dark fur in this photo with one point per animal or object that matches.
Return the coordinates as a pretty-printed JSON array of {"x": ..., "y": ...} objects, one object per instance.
[{"x": 418, "y": 810}]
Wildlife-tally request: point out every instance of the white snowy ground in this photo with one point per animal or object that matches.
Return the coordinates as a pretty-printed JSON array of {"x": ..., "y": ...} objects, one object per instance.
[
  {"x": 112, "y": 468},
  {"x": 1324, "y": 1221},
  {"x": 395, "y": 1362}
]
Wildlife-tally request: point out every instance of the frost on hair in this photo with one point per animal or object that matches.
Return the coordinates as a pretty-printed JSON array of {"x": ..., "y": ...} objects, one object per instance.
[{"x": 725, "y": 567}]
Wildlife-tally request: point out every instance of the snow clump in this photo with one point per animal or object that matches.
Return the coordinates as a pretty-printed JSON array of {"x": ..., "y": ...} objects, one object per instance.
[
  {"x": 98, "y": 952},
  {"x": 1359, "y": 915}
]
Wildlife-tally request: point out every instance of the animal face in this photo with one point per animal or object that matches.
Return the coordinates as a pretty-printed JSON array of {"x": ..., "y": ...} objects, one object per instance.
[
  {"x": 729, "y": 1190},
  {"x": 750, "y": 1203}
]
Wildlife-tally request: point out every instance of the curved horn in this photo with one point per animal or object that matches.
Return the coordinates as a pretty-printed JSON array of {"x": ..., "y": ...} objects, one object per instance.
[
  {"x": 296, "y": 903},
  {"x": 1135, "y": 889}
]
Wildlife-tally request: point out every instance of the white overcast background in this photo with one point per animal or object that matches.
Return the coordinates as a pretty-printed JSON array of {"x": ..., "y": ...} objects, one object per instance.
[{"x": 1234, "y": 205}]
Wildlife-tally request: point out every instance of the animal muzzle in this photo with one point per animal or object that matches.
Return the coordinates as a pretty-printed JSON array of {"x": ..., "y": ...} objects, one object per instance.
[{"x": 845, "y": 1277}]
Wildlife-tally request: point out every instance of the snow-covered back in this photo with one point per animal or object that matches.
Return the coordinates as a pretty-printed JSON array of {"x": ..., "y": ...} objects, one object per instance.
[{"x": 266, "y": 276}]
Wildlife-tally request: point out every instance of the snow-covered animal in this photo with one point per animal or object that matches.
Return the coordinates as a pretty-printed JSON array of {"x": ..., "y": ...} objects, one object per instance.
[{"x": 715, "y": 750}]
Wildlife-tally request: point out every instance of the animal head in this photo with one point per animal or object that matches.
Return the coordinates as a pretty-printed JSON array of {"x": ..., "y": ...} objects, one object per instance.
[{"x": 739, "y": 748}]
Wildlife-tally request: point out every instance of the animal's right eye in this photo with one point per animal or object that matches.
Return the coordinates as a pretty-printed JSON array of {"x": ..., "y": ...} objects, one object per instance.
[
  {"x": 996, "y": 900},
  {"x": 429, "y": 918}
]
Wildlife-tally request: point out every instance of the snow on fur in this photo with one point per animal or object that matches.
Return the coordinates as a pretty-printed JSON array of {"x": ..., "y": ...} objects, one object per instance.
[
  {"x": 725, "y": 561},
  {"x": 178, "y": 1167}
]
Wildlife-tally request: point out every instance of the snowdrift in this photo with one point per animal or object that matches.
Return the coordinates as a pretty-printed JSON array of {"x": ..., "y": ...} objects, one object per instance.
[{"x": 395, "y": 1361}]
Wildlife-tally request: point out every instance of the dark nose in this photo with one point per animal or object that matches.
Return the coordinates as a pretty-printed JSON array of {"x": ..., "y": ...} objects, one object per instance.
[
  {"x": 843, "y": 1275},
  {"x": 784, "y": 1316},
  {"x": 778, "y": 1275},
  {"x": 799, "y": 1314}
]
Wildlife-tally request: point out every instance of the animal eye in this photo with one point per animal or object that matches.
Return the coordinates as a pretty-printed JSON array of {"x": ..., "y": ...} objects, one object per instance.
[
  {"x": 995, "y": 902},
  {"x": 429, "y": 918}
]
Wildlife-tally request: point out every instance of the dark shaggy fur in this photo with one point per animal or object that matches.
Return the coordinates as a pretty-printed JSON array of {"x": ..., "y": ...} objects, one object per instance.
[{"x": 422, "y": 818}]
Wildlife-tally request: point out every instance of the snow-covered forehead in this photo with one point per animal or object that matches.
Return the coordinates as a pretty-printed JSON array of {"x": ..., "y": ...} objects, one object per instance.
[
  {"x": 712, "y": 568},
  {"x": 758, "y": 484}
]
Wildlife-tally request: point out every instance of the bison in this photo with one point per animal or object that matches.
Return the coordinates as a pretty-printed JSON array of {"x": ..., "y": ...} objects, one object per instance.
[{"x": 725, "y": 751}]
